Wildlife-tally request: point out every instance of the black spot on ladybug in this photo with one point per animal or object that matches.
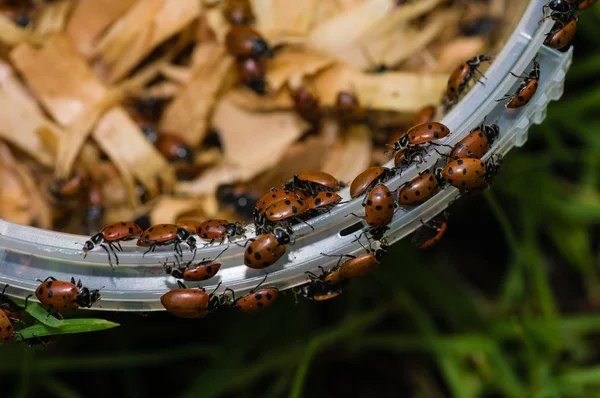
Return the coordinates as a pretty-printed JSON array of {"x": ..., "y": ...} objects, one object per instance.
[
  {"x": 429, "y": 127},
  {"x": 48, "y": 285},
  {"x": 318, "y": 202},
  {"x": 465, "y": 171},
  {"x": 521, "y": 98},
  {"x": 294, "y": 209},
  {"x": 50, "y": 293},
  {"x": 259, "y": 305},
  {"x": 369, "y": 202},
  {"x": 258, "y": 296},
  {"x": 123, "y": 224},
  {"x": 378, "y": 207},
  {"x": 41, "y": 290},
  {"x": 436, "y": 134},
  {"x": 459, "y": 162},
  {"x": 450, "y": 171},
  {"x": 249, "y": 250},
  {"x": 329, "y": 194},
  {"x": 257, "y": 256},
  {"x": 287, "y": 202},
  {"x": 418, "y": 193},
  {"x": 150, "y": 230},
  {"x": 431, "y": 178}
]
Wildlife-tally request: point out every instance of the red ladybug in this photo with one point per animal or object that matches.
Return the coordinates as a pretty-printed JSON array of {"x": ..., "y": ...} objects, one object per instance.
[
  {"x": 317, "y": 290},
  {"x": 422, "y": 134},
  {"x": 331, "y": 277},
  {"x": 526, "y": 89},
  {"x": 12, "y": 310},
  {"x": 313, "y": 183},
  {"x": 460, "y": 78},
  {"x": 238, "y": 12},
  {"x": 266, "y": 249},
  {"x": 7, "y": 330},
  {"x": 164, "y": 235},
  {"x": 65, "y": 296},
  {"x": 256, "y": 300},
  {"x": 348, "y": 108},
  {"x": 477, "y": 143},
  {"x": 190, "y": 303},
  {"x": 197, "y": 272},
  {"x": 242, "y": 41},
  {"x": 174, "y": 149},
  {"x": 111, "y": 236},
  {"x": 368, "y": 179},
  {"x": 469, "y": 174},
  {"x": 418, "y": 190},
  {"x": 189, "y": 225},
  {"x": 220, "y": 230},
  {"x": 561, "y": 34},
  {"x": 430, "y": 233},
  {"x": 379, "y": 206},
  {"x": 583, "y": 4},
  {"x": 286, "y": 209},
  {"x": 322, "y": 202},
  {"x": 560, "y": 10},
  {"x": 251, "y": 72},
  {"x": 74, "y": 187},
  {"x": 359, "y": 266},
  {"x": 307, "y": 105}
]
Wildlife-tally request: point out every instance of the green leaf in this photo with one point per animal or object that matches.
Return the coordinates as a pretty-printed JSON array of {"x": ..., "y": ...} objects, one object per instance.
[
  {"x": 36, "y": 311},
  {"x": 68, "y": 326}
]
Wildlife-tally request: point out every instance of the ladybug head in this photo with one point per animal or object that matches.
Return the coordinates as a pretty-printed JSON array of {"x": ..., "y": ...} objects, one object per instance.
[
  {"x": 383, "y": 248},
  {"x": 438, "y": 175},
  {"x": 258, "y": 86},
  {"x": 231, "y": 229},
  {"x": 86, "y": 297},
  {"x": 191, "y": 242},
  {"x": 261, "y": 48},
  {"x": 560, "y": 6},
  {"x": 282, "y": 235},
  {"x": 491, "y": 132},
  {"x": 401, "y": 143},
  {"x": 93, "y": 242}
]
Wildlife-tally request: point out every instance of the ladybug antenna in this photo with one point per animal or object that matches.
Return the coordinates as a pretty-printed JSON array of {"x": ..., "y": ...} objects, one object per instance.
[
  {"x": 261, "y": 282},
  {"x": 219, "y": 255},
  {"x": 216, "y": 288}
]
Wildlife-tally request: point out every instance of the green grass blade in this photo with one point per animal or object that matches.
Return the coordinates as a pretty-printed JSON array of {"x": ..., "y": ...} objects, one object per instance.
[
  {"x": 69, "y": 326},
  {"x": 36, "y": 311}
]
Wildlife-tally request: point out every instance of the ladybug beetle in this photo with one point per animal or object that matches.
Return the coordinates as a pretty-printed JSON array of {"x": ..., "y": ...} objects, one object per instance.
[
  {"x": 16, "y": 14},
  {"x": 477, "y": 143},
  {"x": 285, "y": 209},
  {"x": 256, "y": 300},
  {"x": 94, "y": 210},
  {"x": 251, "y": 72},
  {"x": 313, "y": 182},
  {"x": 271, "y": 197},
  {"x": 348, "y": 108},
  {"x": 412, "y": 154},
  {"x": 65, "y": 296},
  {"x": 583, "y": 4},
  {"x": 359, "y": 266},
  {"x": 331, "y": 277},
  {"x": 12, "y": 310},
  {"x": 189, "y": 225},
  {"x": 74, "y": 187},
  {"x": 200, "y": 271},
  {"x": 112, "y": 235},
  {"x": 379, "y": 206},
  {"x": 424, "y": 115},
  {"x": 7, "y": 330},
  {"x": 242, "y": 41},
  {"x": 430, "y": 233},
  {"x": 319, "y": 291},
  {"x": 164, "y": 235},
  {"x": 418, "y": 190},
  {"x": 421, "y": 134},
  {"x": 322, "y": 202},
  {"x": 460, "y": 78},
  {"x": 561, "y": 35},
  {"x": 368, "y": 179},
  {"x": 526, "y": 89},
  {"x": 307, "y": 105},
  {"x": 238, "y": 12},
  {"x": 266, "y": 249},
  {"x": 469, "y": 174},
  {"x": 174, "y": 149},
  {"x": 190, "y": 303},
  {"x": 219, "y": 229}
]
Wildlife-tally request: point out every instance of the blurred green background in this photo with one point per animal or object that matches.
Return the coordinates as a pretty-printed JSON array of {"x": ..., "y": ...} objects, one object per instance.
[{"x": 505, "y": 306}]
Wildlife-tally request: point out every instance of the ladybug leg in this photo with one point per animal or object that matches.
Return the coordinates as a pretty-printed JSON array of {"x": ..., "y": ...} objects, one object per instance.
[
  {"x": 245, "y": 244},
  {"x": 119, "y": 246},
  {"x": 108, "y": 253},
  {"x": 50, "y": 278},
  {"x": 304, "y": 222}
]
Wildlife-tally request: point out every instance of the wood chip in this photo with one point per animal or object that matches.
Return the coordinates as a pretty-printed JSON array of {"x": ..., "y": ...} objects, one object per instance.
[
  {"x": 291, "y": 65},
  {"x": 254, "y": 142},
  {"x": 399, "y": 91},
  {"x": 90, "y": 19},
  {"x": 53, "y": 18},
  {"x": 186, "y": 116},
  {"x": 167, "y": 210},
  {"x": 356, "y": 155},
  {"x": 283, "y": 15},
  {"x": 147, "y": 24}
]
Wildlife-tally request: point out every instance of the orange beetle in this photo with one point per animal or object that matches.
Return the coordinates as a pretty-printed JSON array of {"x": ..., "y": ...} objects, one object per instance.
[
  {"x": 418, "y": 190},
  {"x": 189, "y": 303},
  {"x": 112, "y": 234},
  {"x": 243, "y": 41},
  {"x": 251, "y": 72},
  {"x": 526, "y": 90},
  {"x": 370, "y": 177},
  {"x": 460, "y": 78}
]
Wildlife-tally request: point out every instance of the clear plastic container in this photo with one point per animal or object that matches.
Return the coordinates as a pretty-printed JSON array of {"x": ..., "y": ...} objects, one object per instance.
[{"x": 28, "y": 254}]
